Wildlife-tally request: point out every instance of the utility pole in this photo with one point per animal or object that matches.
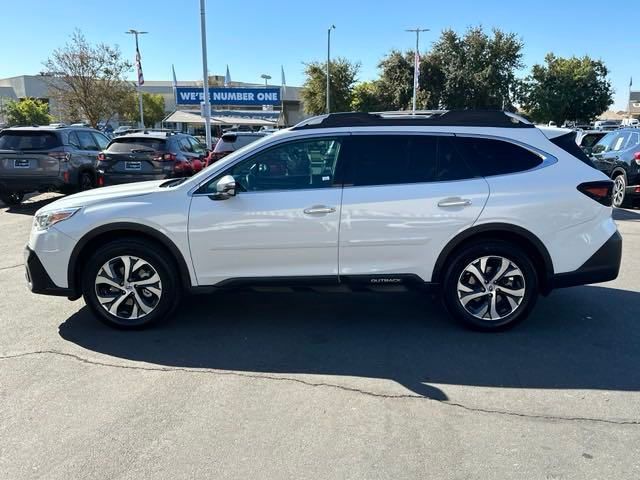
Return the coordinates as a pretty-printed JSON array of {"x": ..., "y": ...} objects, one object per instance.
[
  {"x": 205, "y": 76},
  {"x": 140, "y": 77},
  {"x": 416, "y": 64},
  {"x": 332, "y": 27}
]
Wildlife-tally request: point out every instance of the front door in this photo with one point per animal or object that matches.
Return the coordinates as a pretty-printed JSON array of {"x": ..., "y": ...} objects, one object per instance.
[{"x": 282, "y": 222}]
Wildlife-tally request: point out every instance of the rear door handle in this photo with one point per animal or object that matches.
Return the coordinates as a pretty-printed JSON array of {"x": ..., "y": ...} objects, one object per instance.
[
  {"x": 319, "y": 210},
  {"x": 454, "y": 202}
]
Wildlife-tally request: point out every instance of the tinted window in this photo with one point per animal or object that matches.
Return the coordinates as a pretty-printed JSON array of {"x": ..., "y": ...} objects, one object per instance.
[
  {"x": 495, "y": 157},
  {"x": 101, "y": 140},
  {"x": 18, "y": 140},
  {"x": 87, "y": 142},
  {"x": 291, "y": 166},
  {"x": 184, "y": 145},
  {"x": 394, "y": 159},
  {"x": 196, "y": 146},
  {"x": 128, "y": 145}
]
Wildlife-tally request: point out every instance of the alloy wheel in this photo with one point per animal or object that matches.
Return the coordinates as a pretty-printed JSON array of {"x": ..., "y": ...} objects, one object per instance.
[
  {"x": 491, "y": 288},
  {"x": 128, "y": 287},
  {"x": 619, "y": 187}
]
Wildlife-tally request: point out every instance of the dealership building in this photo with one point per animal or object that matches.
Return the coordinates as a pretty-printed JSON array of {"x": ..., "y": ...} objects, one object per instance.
[{"x": 239, "y": 103}]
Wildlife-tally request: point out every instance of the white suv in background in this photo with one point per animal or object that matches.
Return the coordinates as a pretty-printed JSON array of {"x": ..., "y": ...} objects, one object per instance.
[{"x": 482, "y": 206}]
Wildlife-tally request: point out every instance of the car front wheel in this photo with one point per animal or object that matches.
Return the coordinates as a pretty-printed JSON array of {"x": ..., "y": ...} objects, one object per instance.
[
  {"x": 128, "y": 284},
  {"x": 490, "y": 285}
]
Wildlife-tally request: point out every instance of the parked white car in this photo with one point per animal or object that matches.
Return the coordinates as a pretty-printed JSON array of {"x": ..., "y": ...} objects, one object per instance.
[{"x": 481, "y": 206}]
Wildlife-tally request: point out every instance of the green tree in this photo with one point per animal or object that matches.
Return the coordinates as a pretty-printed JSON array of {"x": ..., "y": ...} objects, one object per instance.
[
  {"x": 396, "y": 80},
  {"x": 367, "y": 97},
  {"x": 475, "y": 70},
  {"x": 343, "y": 75},
  {"x": 566, "y": 89},
  {"x": 152, "y": 107},
  {"x": 28, "y": 111},
  {"x": 88, "y": 78}
]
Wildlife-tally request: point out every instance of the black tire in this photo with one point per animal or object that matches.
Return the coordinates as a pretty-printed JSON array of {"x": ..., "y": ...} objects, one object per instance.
[
  {"x": 524, "y": 278},
  {"x": 12, "y": 198},
  {"x": 85, "y": 181},
  {"x": 620, "y": 198},
  {"x": 157, "y": 258}
]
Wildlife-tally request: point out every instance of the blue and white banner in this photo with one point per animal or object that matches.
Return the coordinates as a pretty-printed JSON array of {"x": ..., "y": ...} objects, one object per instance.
[{"x": 229, "y": 96}]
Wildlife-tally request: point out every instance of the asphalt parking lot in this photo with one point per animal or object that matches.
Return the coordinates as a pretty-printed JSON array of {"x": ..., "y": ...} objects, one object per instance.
[{"x": 305, "y": 385}]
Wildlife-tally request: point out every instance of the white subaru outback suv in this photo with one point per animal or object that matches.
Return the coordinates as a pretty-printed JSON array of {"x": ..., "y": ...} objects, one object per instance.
[{"x": 482, "y": 206}]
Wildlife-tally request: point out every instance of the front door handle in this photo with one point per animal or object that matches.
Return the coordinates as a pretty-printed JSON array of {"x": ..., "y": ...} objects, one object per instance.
[
  {"x": 319, "y": 210},
  {"x": 454, "y": 202}
]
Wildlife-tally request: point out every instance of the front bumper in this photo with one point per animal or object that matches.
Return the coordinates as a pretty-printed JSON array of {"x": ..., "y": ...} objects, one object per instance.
[
  {"x": 603, "y": 266},
  {"x": 38, "y": 279}
]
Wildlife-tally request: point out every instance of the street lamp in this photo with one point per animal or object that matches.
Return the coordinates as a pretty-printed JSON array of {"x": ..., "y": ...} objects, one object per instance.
[
  {"x": 332, "y": 27},
  {"x": 139, "y": 66},
  {"x": 205, "y": 77},
  {"x": 266, "y": 79},
  {"x": 416, "y": 63}
]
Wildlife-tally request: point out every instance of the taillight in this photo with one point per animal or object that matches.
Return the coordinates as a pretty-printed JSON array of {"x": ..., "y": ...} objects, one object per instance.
[
  {"x": 100, "y": 181},
  {"x": 60, "y": 156},
  {"x": 180, "y": 166},
  {"x": 102, "y": 157},
  {"x": 636, "y": 157},
  {"x": 601, "y": 191},
  {"x": 215, "y": 156},
  {"x": 165, "y": 157}
]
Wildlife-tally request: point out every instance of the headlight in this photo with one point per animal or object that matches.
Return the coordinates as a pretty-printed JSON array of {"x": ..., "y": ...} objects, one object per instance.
[{"x": 43, "y": 221}]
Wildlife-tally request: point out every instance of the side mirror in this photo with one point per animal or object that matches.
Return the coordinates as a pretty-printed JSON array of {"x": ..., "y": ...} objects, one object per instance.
[{"x": 225, "y": 188}]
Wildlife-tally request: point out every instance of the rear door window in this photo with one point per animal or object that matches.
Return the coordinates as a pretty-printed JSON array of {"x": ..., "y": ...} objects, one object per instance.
[
  {"x": 488, "y": 157},
  {"x": 133, "y": 145},
  {"x": 28, "y": 140},
  {"x": 396, "y": 159},
  {"x": 87, "y": 142},
  {"x": 101, "y": 140}
]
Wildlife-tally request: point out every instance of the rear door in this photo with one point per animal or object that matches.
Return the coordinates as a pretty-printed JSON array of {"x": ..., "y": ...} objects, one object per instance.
[
  {"x": 136, "y": 156},
  {"x": 26, "y": 153},
  {"x": 404, "y": 198}
]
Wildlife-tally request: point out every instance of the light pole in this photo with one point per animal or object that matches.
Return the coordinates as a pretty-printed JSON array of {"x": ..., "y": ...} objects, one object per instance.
[
  {"x": 332, "y": 27},
  {"x": 266, "y": 79},
  {"x": 205, "y": 77},
  {"x": 139, "y": 66},
  {"x": 416, "y": 64}
]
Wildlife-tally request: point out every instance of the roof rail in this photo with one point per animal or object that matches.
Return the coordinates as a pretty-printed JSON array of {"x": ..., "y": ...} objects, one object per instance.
[{"x": 459, "y": 118}]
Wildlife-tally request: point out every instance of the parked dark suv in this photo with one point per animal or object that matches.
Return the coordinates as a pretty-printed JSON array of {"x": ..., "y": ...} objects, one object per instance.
[
  {"x": 618, "y": 155},
  {"x": 47, "y": 158},
  {"x": 149, "y": 155}
]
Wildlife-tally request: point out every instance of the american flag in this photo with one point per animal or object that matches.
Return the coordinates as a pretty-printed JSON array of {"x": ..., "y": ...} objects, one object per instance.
[{"x": 139, "y": 66}]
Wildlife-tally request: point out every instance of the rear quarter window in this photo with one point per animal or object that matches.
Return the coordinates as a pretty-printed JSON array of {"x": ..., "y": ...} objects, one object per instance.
[
  {"x": 127, "y": 145},
  {"x": 18, "y": 140},
  {"x": 488, "y": 157}
]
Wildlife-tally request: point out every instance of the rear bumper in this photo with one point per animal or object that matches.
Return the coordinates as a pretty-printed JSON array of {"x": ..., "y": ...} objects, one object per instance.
[
  {"x": 30, "y": 184},
  {"x": 38, "y": 279},
  {"x": 603, "y": 266}
]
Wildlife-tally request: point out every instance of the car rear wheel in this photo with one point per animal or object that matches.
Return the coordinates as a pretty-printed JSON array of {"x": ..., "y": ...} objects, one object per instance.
[
  {"x": 490, "y": 285},
  {"x": 129, "y": 285},
  {"x": 12, "y": 198},
  {"x": 619, "y": 190}
]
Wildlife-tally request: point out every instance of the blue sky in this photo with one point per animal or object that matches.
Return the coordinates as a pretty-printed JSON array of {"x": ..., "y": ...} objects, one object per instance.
[{"x": 255, "y": 37}]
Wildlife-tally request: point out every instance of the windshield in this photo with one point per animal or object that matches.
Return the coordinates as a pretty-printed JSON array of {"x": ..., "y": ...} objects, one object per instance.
[{"x": 612, "y": 142}]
